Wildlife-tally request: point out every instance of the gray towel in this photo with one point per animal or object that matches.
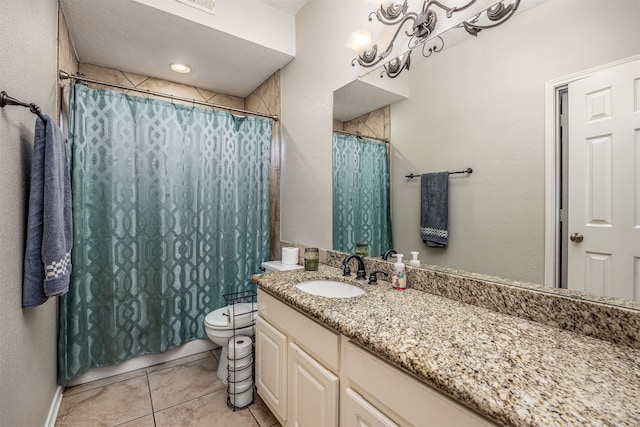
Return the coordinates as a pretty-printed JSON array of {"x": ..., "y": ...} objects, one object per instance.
[
  {"x": 47, "y": 260},
  {"x": 434, "y": 212}
]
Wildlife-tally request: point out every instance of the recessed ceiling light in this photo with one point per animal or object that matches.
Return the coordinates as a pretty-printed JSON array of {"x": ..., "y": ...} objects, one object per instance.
[{"x": 181, "y": 68}]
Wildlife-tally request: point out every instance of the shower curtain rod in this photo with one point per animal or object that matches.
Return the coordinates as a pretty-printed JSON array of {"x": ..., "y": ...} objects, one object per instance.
[
  {"x": 359, "y": 135},
  {"x": 63, "y": 75}
]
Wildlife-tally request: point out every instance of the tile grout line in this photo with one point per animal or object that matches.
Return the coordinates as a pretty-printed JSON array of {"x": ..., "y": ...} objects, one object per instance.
[
  {"x": 252, "y": 414},
  {"x": 192, "y": 399},
  {"x": 153, "y": 411}
]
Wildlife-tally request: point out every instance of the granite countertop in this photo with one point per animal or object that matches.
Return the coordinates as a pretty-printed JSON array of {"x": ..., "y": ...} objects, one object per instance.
[{"x": 515, "y": 371}]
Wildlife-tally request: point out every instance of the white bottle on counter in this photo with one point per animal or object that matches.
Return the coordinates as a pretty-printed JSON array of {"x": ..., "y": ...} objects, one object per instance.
[
  {"x": 414, "y": 261},
  {"x": 399, "y": 278}
]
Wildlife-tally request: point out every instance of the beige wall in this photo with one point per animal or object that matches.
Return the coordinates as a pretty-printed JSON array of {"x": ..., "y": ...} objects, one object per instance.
[
  {"x": 28, "y": 42},
  {"x": 308, "y": 83}
]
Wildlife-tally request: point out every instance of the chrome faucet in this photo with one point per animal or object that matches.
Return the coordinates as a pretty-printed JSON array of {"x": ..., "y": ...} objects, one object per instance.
[
  {"x": 389, "y": 253},
  {"x": 361, "y": 274}
]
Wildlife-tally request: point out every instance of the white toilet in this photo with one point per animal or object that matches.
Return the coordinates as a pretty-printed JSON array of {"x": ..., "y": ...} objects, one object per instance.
[{"x": 219, "y": 328}]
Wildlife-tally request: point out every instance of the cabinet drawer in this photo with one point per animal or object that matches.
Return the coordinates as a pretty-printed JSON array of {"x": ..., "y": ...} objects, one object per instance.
[
  {"x": 416, "y": 402},
  {"x": 322, "y": 343},
  {"x": 358, "y": 412}
]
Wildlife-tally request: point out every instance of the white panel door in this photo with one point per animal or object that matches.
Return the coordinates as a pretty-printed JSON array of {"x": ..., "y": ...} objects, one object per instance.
[
  {"x": 313, "y": 391},
  {"x": 271, "y": 367},
  {"x": 604, "y": 182}
]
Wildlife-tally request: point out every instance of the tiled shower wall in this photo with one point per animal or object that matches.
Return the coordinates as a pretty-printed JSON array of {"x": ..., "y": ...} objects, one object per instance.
[{"x": 376, "y": 123}]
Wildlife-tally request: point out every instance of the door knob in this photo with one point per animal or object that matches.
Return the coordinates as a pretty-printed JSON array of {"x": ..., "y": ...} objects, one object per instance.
[{"x": 576, "y": 237}]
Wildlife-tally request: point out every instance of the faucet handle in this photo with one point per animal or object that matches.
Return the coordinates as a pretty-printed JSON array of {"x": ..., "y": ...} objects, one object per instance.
[
  {"x": 346, "y": 271},
  {"x": 373, "y": 278}
]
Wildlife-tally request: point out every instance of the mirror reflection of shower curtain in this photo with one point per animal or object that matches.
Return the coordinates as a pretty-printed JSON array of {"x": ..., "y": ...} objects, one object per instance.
[
  {"x": 170, "y": 212},
  {"x": 361, "y": 206}
]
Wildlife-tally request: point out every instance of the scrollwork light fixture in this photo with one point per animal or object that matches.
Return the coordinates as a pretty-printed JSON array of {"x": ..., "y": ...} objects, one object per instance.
[
  {"x": 496, "y": 14},
  {"x": 422, "y": 25}
]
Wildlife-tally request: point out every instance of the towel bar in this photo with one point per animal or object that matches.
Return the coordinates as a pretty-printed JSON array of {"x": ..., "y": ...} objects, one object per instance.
[
  {"x": 467, "y": 170},
  {"x": 5, "y": 99}
]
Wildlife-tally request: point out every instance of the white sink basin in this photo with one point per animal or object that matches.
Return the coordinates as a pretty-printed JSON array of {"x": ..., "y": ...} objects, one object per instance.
[{"x": 330, "y": 289}]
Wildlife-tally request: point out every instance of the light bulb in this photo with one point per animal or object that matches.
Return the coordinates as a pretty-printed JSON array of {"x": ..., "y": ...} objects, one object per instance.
[
  {"x": 180, "y": 68},
  {"x": 360, "y": 41}
]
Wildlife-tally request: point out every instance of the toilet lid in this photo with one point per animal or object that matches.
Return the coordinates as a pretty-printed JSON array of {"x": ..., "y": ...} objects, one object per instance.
[{"x": 217, "y": 318}]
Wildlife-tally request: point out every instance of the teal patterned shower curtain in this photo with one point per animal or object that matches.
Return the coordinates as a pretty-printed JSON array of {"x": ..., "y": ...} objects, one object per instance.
[
  {"x": 361, "y": 206},
  {"x": 170, "y": 212}
]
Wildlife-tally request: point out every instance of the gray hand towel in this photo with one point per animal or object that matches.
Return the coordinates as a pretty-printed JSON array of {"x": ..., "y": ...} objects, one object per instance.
[
  {"x": 434, "y": 212},
  {"x": 47, "y": 261}
]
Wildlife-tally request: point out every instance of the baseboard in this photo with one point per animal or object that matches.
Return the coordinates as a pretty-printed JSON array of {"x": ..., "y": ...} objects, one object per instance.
[
  {"x": 54, "y": 408},
  {"x": 188, "y": 349}
]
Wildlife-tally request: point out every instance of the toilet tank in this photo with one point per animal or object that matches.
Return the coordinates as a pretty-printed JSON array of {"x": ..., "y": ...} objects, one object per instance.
[{"x": 271, "y": 266}]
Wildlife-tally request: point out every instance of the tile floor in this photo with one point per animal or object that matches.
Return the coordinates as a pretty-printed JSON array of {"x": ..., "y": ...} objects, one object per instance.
[{"x": 183, "y": 392}]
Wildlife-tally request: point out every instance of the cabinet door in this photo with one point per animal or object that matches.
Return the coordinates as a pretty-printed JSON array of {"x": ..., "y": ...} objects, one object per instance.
[
  {"x": 313, "y": 391},
  {"x": 271, "y": 367},
  {"x": 358, "y": 412}
]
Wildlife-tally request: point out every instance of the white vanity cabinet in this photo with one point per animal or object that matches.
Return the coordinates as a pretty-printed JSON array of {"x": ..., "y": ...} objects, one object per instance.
[
  {"x": 311, "y": 376},
  {"x": 297, "y": 363}
]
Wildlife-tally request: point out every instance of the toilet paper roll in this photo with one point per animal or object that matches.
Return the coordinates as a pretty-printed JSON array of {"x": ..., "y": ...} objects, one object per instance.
[
  {"x": 243, "y": 399},
  {"x": 289, "y": 256},
  {"x": 239, "y": 346},
  {"x": 237, "y": 375},
  {"x": 240, "y": 386},
  {"x": 241, "y": 363},
  {"x": 241, "y": 314}
]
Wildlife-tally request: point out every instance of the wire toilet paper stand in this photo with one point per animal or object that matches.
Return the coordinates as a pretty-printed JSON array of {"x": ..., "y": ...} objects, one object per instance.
[{"x": 243, "y": 311}]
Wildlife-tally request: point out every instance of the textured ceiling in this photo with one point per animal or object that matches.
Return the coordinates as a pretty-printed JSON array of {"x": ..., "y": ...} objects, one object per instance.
[{"x": 131, "y": 36}]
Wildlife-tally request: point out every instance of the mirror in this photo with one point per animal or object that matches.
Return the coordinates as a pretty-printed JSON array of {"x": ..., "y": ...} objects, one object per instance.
[{"x": 481, "y": 104}]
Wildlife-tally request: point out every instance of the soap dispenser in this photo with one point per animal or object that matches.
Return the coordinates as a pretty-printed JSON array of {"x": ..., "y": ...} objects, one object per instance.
[
  {"x": 399, "y": 278},
  {"x": 414, "y": 261}
]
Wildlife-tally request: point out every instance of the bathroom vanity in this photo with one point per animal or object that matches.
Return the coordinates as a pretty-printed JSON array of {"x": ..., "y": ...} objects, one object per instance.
[
  {"x": 310, "y": 375},
  {"x": 416, "y": 358}
]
